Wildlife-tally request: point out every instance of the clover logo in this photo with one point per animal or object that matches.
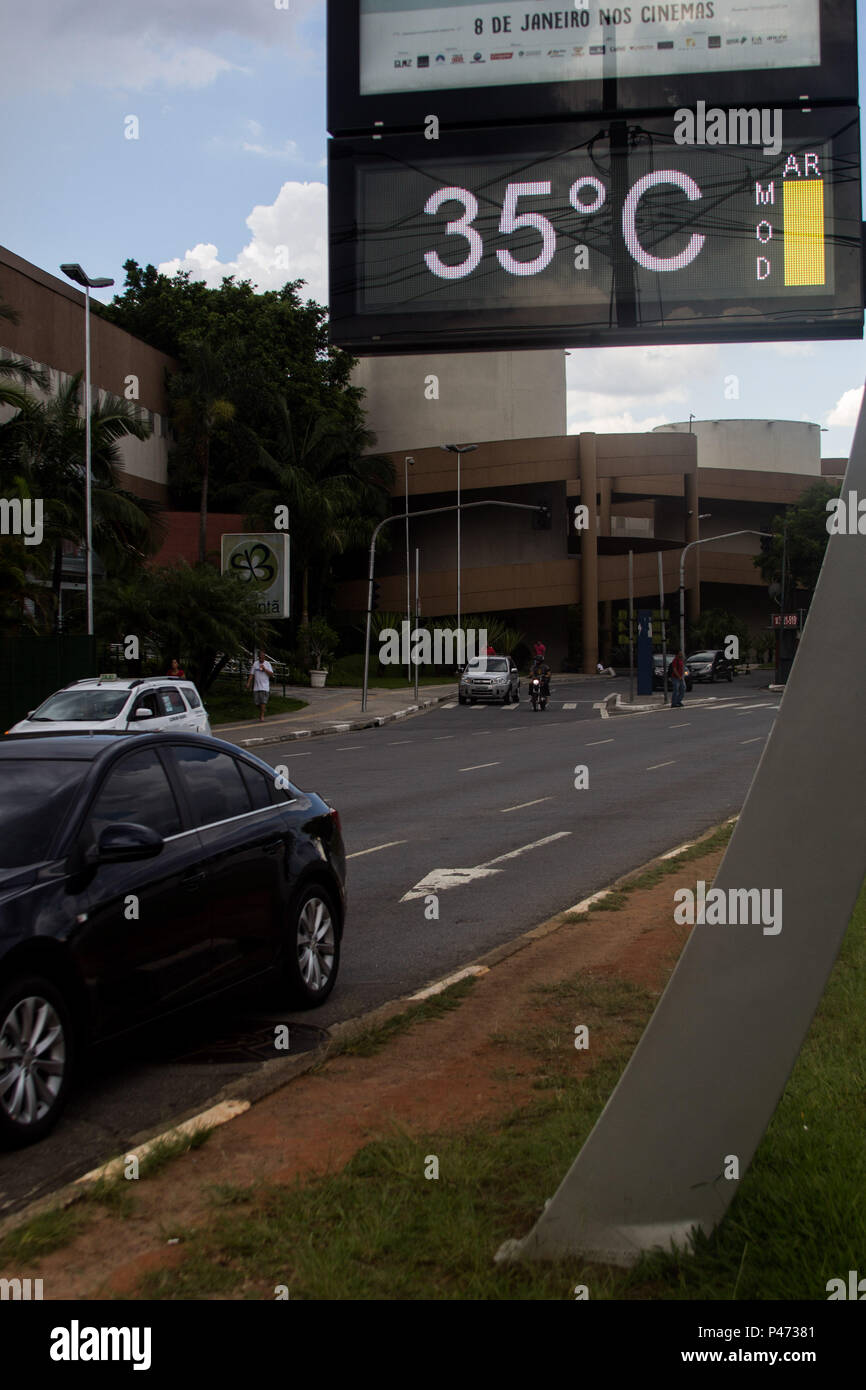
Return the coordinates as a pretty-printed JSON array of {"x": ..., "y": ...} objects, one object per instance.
[{"x": 254, "y": 564}]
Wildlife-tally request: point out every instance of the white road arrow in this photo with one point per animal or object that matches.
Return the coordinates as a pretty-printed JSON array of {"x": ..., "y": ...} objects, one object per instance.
[{"x": 440, "y": 879}]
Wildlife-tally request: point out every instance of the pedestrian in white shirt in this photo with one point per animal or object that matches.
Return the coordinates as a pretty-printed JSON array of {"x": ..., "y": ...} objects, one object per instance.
[{"x": 260, "y": 680}]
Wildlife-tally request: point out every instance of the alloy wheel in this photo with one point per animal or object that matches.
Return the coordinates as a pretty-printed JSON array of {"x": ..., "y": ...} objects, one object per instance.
[
  {"x": 316, "y": 949},
  {"x": 32, "y": 1060}
]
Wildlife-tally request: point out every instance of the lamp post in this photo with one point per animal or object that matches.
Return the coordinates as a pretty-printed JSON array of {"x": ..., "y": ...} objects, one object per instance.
[
  {"x": 705, "y": 541},
  {"x": 406, "y": 462},
  {"x": 99, "y": 282},
  {"x": 459, "y": 450}
]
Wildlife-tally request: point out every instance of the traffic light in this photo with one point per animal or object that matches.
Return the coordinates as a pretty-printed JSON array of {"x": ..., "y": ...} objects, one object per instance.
[
  {"x": 374, "y": 596},
  {"x": 541, "y": 520}
]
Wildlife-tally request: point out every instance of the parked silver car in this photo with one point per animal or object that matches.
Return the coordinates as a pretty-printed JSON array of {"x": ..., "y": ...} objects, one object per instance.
[{"x": 489, "y": 678}]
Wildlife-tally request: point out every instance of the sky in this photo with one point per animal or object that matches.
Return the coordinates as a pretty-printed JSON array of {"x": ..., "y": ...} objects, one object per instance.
[{"x": 227, "y": 175}]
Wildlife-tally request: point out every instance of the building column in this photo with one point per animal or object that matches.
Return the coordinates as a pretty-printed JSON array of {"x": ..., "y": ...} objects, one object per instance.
[
  {"x": 604, "y": 491},
  {"x": 589, "y": 554},
  {"x": 693, "y": 560}
]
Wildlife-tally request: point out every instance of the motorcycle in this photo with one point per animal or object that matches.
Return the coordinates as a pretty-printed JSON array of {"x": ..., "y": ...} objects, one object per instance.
[{"x": 538, "y": 693}]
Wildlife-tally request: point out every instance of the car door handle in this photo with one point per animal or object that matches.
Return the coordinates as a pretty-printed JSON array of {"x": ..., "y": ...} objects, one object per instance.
[
  {"x": 271, "y": 846},
  {"x": 191, "y": 880}
]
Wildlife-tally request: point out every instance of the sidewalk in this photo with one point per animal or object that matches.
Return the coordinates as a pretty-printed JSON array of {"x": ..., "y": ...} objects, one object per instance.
[{"x": 334, "y": 711}]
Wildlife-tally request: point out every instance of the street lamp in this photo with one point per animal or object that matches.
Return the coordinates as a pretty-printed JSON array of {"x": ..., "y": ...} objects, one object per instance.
[
  {"x": 459, "y": 450},
  {"x": 406, "y": 462},
  {"x": 691, "y": 544},
  {"x": 100, "y": 282}
]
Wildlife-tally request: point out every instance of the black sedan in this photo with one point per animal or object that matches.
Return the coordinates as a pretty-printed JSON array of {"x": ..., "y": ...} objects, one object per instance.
[
  {"x": 140, "y": 874},
  {"x": 711, "y": 665}
]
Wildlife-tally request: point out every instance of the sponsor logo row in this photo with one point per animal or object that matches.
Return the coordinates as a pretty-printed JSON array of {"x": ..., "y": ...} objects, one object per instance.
[{"x": 426, "y": 60}]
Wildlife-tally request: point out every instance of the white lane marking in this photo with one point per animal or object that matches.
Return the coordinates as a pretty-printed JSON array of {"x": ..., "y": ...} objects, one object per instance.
[
  {"x": 440, "y": 737},
  {"x": 536, "y": 844},
  {"x": 669, "y": 763},
  {"x": 680, "y": 726},
  {"x": 572, "y": 704},
  {"x": 537, "y": 802},
  {"x": 395, "y": 741},
  {"x": 475, "y": 767},
  {"x": 350, "y": 748},
  {"x": 450, "y": 980},
  {"x": 759, "y": 739},
  {"x": 597, "y": 741},
  {"x": 440, "y": 879},
  {"x": 375, "y": 848}
]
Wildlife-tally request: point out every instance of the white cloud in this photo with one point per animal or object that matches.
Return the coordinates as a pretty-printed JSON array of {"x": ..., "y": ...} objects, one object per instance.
[
  {"x": 56, "y": 46},
  {"x": 785, "y": 349},
  {"x": 288, "y": 150},
  {"x": 664, "y": 373},
  {"x": 847, "y": 408},
  {"x": 622, "y": 423},
  {"x": 289, "y": 241}
]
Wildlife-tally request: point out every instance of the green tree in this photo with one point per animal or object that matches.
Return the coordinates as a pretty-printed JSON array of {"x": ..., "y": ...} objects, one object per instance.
[
  {"x": 335, "y": 491},
  {"x": 801, "y": 531},
  {"x": 714, "y": 627},
  {"x": 43, "y": 447},
  {"x": 200, "y": 409},
  {"x": 183, "y": 610}
]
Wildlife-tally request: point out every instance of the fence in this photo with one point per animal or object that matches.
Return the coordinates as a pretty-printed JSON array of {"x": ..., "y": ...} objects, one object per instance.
[{"x": 32, "y": 668}]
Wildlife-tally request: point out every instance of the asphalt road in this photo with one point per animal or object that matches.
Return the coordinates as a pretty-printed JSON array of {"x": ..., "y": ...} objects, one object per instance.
[{"x": 483, "y": 789}]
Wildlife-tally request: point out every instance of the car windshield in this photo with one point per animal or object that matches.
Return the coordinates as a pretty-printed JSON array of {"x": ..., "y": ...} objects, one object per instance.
[
  {"x": 81, "y": 706},
  {"x": 488, "y": 663},
  {"x": 703, "y": 656},
  {"x": 35, "y": 798}
]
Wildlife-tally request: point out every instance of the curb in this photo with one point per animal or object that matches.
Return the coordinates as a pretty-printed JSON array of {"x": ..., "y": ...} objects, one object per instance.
[
  {"x": 237, "y": 1096},
  {"x": 365, "y": 722}
]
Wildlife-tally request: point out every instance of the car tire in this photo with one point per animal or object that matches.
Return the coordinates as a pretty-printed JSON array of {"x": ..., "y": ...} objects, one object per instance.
[
  {"x": 312, "y": 951},
  {"x": 33, "y": 1014}
]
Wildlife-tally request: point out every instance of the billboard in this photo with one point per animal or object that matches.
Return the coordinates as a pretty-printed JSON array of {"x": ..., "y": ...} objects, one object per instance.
[
  {"x": 260, "y": 560},
  {"x": 592, "y": 233},
  {"x": 519, "y": 60}
]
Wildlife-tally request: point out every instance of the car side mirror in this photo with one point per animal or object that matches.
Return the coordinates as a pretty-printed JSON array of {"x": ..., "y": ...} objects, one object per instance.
[
  {"x": 143, "y": 714},
  {"x": 124, "y": 842}
]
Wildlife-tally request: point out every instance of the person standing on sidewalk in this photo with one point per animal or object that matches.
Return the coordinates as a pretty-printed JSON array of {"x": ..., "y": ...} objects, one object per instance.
[
  {"x": 260, "y": 680},
  {"x": 678, "y": 679}
]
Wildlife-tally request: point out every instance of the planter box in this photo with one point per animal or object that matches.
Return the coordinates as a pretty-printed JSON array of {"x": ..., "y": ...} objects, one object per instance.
[{"x": 317, "y": 679}]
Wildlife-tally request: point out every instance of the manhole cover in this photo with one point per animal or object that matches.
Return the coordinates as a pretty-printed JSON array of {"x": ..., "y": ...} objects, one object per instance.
[{"x": 258, "y": 1043}]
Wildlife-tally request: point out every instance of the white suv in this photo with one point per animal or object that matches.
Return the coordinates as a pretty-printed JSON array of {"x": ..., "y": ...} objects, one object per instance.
[{"x": 111, "y": 702}]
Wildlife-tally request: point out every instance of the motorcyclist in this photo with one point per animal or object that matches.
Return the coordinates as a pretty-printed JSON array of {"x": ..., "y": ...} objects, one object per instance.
[{"x": 541, "y": 669}]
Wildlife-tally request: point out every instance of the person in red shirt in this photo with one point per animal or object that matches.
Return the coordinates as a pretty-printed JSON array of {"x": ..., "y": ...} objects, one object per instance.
[
  {"x": 175, "y": 670},
  {"x": 678, "y": 679}
]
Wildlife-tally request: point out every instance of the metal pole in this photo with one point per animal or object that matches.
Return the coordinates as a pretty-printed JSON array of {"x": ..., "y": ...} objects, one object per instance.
[
  {"x": 369, "y": 618},
  {"x": 87, "y": 445},
  {"x": 664, "y": 631},
  {"x": 408, "y": 597},
  {"x": 458, "y": 543},
  {"x": 417, "y": 606},
  {"x": 780, "y": 647},
  {"x": 630, "y": 626},
  {"x": 428, "y": 511}
]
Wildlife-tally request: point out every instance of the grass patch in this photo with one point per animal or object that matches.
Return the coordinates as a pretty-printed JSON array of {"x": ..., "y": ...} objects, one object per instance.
[
  {"x": 371, "y": 1040},
  {"x": 50, "y": 1230},
  {"x": 169, "y": 1147},
  {"x": 381, "y": 1229},
  {"x": 227, "y": 705}
]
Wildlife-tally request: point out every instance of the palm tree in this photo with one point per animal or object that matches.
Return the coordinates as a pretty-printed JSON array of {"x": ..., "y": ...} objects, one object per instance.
[
  {"x": 335, "y": 491},
  {"x": 199, "y": 409},
  {"x": 45, "y": 442}
]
